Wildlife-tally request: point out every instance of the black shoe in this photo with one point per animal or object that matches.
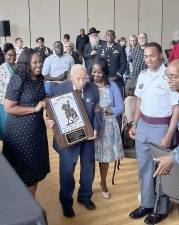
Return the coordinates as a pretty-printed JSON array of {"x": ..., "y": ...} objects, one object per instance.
[
  {"x": 154, "y": 218},
  {"x": 68, "y": 212},
  {"x": 88, "y": 204},
  {"x": 140, "y": 212}
]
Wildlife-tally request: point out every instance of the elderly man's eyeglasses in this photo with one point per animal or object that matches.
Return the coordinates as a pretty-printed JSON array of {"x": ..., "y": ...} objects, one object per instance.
[
  {"x": 85, "y": 79},
  {"x": 173, "y": 76}
]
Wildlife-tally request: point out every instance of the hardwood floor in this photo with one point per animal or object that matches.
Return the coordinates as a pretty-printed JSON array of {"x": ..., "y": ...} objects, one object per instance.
[{"x": 108, "y": 212}]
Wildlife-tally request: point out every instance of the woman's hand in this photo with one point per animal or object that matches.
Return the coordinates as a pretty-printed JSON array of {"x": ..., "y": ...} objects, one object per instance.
[
  {"x": 107, "y": 111},
  {"x": 40, "y": 105},
  {"x": 50, "y": 123},
  {"x": 95, "y": 136}
]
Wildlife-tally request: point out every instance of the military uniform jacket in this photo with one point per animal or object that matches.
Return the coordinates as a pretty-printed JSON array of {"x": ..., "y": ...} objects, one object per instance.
[{"x": 116, "y": 58}]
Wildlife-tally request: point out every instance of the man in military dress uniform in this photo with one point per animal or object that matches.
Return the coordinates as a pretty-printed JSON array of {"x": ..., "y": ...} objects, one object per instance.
[
  {"x": 153, "y": 122},
  {"x": 116, "y": 58}
]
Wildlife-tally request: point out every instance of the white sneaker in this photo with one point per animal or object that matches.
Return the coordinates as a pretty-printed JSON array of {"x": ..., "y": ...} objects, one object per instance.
[{"x": 106, "y": 194}]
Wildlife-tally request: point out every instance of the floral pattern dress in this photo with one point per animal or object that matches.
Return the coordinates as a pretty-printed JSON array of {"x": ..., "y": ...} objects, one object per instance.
[
  {"x": 6, "y": 71},
  {"x": 108, "y": 147}
]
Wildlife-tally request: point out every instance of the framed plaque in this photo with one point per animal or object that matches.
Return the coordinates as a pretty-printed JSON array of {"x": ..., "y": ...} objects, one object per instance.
[{"x": 72, "y": 124}]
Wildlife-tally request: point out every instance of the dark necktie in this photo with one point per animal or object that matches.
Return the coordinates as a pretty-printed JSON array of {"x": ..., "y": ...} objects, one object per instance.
[
  {"x": 81, "y": 93},
  {"x": 109, "y": 50}
]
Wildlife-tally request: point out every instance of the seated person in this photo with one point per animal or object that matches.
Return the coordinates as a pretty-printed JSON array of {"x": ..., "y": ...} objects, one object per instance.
[{"x": 166, "y": 162}]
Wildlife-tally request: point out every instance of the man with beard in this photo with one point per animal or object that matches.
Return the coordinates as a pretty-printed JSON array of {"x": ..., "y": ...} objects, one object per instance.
[
  {"x": 116, "y": 57},
  {"x": 90, "y": 50}
]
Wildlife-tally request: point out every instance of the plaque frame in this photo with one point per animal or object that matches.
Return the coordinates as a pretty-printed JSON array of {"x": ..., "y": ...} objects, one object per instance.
[{"x": 81, "y": 132}]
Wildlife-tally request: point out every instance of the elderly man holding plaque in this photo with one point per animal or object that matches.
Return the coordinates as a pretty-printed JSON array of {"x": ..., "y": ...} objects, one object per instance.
[{"x": 69, "y": 155}]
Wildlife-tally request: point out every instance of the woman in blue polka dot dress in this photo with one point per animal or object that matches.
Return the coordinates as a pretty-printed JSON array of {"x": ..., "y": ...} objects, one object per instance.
[{"x": 25, "y": 139}]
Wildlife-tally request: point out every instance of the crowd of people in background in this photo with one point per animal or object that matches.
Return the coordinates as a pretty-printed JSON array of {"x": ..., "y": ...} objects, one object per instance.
[{"x": 106, "y": 72}]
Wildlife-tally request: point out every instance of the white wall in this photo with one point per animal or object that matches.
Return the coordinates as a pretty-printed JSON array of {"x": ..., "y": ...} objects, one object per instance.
[
  {"x": 53, "y": 18},
  {"x": 73, "y": 17},
  {"x": 126, "y": 17},
  {"x": 150, "y": 19},
  {"x": 44, "y": 20},
  {"x": 170, "y": 20},
  {"x": 101, "y": 15},
  {"x": 18, "y": 15}
]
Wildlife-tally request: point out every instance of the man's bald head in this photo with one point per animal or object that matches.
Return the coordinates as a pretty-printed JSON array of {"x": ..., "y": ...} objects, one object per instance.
[
  {"x": 174, "y": 63},
  {"x": 78, "y": 76},
  {"x": 173, "y": 75},
  {"x": 58, "y": 48}
]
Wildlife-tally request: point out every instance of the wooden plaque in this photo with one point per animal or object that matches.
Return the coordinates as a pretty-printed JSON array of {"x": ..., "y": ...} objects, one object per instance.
[{"x": 72, "y": 124}]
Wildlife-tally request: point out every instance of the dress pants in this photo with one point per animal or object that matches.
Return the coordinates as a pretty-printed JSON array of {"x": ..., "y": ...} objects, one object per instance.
[
  {"x": 145, "y": 134},
  {"x": 68, "y": 160}
]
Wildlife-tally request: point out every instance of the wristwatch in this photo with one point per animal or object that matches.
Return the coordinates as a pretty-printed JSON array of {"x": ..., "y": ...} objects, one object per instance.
[{"x": 134, "y": 123}]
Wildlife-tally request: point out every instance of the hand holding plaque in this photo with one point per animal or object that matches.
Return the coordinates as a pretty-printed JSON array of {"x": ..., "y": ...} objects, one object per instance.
[{"x": 71, "y": 122}]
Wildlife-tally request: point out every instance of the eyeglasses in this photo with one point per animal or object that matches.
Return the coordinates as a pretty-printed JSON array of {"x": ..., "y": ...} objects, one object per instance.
[
  {"x": 83, "y": 79},
  {"x": 173, "y": 76}
]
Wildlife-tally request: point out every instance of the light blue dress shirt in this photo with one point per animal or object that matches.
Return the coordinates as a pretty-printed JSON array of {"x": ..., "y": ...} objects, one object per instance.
[{"x": 55, "y": 65}]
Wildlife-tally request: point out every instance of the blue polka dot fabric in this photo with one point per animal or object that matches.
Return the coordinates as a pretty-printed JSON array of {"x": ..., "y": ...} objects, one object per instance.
[{"x": 25, "y": 139}]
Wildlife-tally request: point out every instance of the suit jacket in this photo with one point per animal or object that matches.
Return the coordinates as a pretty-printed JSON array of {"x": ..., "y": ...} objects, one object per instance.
[
  {"x": 90, "y": 100},
  {"x": 89, "y": 59},
  {"x": 81, "y": 42},
  {"x": 116, "y": 59}
]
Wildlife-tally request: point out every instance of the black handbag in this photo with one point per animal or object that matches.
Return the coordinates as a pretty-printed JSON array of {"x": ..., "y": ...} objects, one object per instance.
[{"x": 127, "y": 141}]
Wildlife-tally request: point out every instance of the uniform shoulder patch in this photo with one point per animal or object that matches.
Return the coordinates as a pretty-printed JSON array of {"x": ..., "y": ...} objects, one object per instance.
[{"x": 141, "y": 86}]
